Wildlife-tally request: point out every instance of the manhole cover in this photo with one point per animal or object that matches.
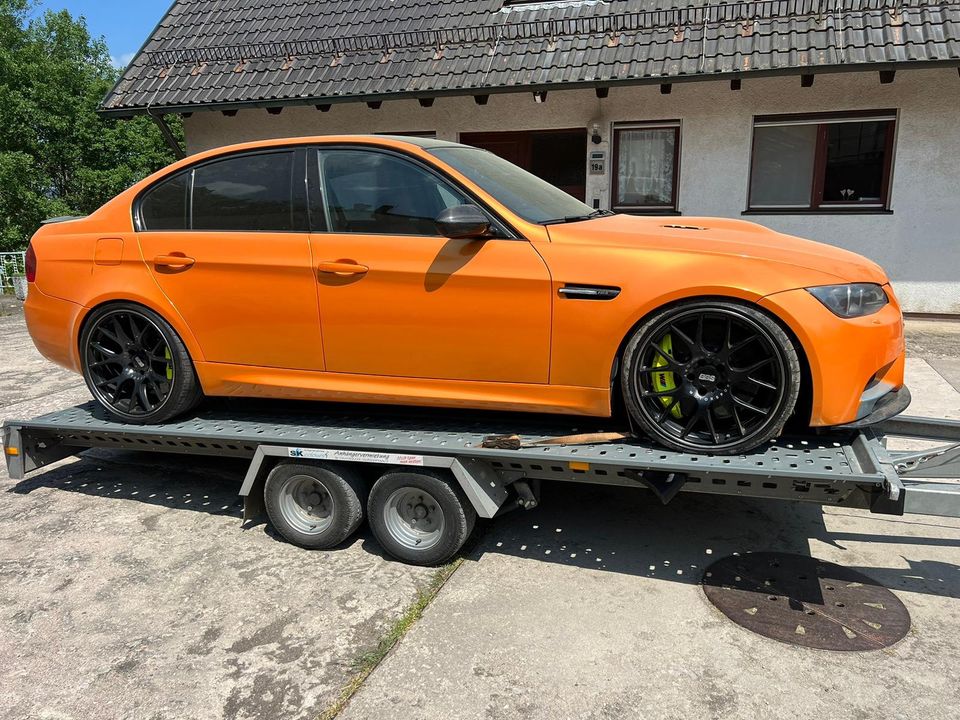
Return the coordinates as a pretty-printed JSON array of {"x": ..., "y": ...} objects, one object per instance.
[{"x": 805, "y": 601}]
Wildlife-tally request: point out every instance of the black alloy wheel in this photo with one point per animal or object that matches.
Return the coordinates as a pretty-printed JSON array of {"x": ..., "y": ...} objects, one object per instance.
[
  {"x": 715, "y": 377},
  {"x": 136, "y": 366}
]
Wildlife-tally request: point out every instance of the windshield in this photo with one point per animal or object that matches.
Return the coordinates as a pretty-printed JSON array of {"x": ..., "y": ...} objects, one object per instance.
[{"x": 528, "y": 196}]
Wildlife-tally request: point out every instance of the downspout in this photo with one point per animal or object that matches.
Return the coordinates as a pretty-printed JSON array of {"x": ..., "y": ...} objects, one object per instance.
[{"x": 161, "y": 123}]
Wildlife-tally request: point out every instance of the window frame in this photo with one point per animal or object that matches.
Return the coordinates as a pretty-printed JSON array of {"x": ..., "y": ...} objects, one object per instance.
[
  {"x": 667, "y": 209},
  {"x": 299, "y": 166},
  {"x": 510, "y": 232},
  {"x": 506, "y": 231},
  {"x": 819, "y": 206}
]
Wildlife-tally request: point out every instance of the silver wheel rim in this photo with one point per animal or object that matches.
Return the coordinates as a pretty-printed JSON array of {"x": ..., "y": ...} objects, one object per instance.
[
  {"x": 413, "y": 518},
  {"x": 306, "y": 504}
]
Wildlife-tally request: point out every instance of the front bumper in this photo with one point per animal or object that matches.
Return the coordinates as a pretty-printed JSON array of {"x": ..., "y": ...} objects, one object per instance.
[
  {"x": 879, "y": 409},
  {"x": 853, "y": 362}
]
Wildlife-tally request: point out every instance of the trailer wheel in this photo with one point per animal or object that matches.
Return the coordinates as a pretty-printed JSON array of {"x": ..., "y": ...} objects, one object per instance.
[
  {"x": 421, "y": 517},
  {"x": 314, "y": 505}
]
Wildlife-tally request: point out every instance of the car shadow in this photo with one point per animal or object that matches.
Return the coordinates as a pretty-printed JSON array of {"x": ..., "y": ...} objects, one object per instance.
[{"x": 604, "y": 528}]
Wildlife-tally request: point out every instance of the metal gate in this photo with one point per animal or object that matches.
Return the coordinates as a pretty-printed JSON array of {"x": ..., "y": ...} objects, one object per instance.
[{"x": 11, "y": 264}]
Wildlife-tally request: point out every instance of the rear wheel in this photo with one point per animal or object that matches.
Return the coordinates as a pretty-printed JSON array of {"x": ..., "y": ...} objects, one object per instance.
[
  {"x": 710, "y": 376},
  {"x": 136, "y": 366},
  {"x": 420, "y": 517}
]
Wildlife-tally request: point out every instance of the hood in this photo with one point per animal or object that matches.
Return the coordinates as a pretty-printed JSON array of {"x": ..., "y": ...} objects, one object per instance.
[{"x": 720, "y": 236}]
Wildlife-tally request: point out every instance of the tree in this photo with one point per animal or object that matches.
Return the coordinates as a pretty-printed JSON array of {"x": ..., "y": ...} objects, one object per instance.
[{"x": 57, "y": 156}]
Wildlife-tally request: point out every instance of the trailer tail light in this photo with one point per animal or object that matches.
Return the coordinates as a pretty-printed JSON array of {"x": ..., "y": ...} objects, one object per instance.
[{"x": 30, "y": 264}]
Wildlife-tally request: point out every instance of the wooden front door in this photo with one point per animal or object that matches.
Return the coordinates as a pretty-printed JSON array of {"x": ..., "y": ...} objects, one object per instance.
[{"x": 557, "y": 156}]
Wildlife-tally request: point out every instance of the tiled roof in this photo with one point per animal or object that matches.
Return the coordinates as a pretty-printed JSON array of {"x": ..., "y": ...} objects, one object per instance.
[{"x": 234, "y": 53}]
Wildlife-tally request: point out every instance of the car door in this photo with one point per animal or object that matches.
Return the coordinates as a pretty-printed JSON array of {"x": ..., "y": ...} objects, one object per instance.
[
  {"x": 397, "y": 299},
  {"x": 227, "y": 242}
]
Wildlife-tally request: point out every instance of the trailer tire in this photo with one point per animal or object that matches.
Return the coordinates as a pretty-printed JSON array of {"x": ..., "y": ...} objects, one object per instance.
[
  {"x": 316, "y": 505},
  {"x": 420, "y": 517}
]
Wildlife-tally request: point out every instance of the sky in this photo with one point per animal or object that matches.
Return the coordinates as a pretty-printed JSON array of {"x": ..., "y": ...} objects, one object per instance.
[{"x": 124, "y": 23}]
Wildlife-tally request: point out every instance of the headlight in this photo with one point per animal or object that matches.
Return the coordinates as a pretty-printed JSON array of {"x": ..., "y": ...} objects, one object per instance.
[{"x": 850, "y": 301}]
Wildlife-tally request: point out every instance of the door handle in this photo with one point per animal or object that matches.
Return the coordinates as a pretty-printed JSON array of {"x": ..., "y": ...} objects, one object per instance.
[
  {"x": 342, "y": 268},
  {"x": 173, "y": 261}
]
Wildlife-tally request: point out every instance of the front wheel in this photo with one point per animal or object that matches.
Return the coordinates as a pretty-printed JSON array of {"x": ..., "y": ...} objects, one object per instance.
[{"x": 710, "y": 376}]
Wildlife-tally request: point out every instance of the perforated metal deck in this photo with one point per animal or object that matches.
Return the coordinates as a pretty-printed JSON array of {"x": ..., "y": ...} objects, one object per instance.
[{"x": 837, "y": 469}]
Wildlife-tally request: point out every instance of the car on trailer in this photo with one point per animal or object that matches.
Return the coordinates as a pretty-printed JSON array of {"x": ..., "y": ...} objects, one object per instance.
[{"x": 421, "y": 272}]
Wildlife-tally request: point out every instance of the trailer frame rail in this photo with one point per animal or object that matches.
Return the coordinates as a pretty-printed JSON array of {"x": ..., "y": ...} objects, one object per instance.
[{"x": 850, "y": 469}]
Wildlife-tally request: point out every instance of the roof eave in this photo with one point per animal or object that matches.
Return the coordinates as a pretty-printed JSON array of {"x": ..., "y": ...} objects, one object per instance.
[{"x": 548, "y": 87}]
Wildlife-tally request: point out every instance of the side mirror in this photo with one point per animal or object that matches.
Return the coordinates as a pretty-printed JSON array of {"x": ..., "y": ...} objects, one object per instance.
[{"x": 463, "y": 222}]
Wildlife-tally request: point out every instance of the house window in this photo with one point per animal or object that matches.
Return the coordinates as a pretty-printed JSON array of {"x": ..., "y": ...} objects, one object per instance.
[
  {"x": 838, "y": 162},
  {"x": 646, "y": 169}
]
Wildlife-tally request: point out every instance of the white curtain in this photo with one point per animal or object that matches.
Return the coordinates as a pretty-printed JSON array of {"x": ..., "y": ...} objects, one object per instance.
[{"x": 645, "y": 163}]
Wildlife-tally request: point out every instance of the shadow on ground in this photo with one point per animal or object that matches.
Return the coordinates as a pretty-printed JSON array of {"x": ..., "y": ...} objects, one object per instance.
[
  {"x": 611, "y": 529},
  {"x": 623, "y": 530}
]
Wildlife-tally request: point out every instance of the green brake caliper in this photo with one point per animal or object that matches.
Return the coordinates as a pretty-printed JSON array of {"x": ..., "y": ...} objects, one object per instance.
[
  {"x": 169, "y": 359},
  {"x": 663, "y": 380}
]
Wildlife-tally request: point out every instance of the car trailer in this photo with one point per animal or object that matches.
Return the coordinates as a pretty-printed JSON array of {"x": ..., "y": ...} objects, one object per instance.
[{"x": 421, "y": 479}]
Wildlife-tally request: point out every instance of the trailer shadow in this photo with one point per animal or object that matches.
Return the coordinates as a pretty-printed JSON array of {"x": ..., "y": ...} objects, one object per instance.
[
  {"x": 610, "y": 529},
  {"x": 622, "y": 530},
  {"x": 205, "y": 484}
]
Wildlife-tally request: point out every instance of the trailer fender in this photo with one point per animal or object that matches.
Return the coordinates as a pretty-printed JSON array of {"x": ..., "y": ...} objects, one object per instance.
[{"x": 484, "y": 487}]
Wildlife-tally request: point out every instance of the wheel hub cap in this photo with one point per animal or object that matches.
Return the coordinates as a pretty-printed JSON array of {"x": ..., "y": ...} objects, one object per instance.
[
  {"x": 414, "y": 518},
  {"x": 306, "y": 504}
]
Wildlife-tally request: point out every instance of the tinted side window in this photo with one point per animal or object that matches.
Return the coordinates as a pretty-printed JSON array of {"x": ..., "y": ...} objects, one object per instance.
[
  {"x": 164, "y": 207},
  {"x": 248, "y": 193},
  {"x": 376, "y": 193}
]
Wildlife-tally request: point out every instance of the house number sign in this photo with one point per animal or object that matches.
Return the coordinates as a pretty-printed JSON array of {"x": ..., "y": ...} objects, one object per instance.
[{"x": 598, "y": 162}]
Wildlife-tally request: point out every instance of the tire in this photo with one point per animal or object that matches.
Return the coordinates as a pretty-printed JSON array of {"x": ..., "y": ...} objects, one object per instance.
[
  {"x": 710, "y": 376},
  {"x": 154, "y": 385},
  {"x": 339, "y": 491},
  {"x": 445, "y": 516}
]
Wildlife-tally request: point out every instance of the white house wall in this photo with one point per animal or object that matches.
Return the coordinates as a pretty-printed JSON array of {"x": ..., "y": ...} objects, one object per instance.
[{"x": 918, "y": 244}]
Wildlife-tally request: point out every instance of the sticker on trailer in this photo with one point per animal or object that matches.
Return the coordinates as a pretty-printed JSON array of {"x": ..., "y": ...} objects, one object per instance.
[{"x": 355, "y": 456}]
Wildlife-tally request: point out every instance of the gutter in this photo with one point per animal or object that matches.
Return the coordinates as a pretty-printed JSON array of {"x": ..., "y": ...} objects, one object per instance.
[{"x": 178, "y": 152}]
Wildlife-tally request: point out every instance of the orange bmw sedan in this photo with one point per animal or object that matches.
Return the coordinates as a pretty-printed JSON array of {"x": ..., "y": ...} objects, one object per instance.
[{"x": 421, "y": 272}]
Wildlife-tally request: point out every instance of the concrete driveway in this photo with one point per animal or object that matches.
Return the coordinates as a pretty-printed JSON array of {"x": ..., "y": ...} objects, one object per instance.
[{"x": 128, "y": 589}]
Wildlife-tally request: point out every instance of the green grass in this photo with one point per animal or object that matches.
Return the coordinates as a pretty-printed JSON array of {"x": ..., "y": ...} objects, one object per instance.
[{"x": 369, "y": 661}]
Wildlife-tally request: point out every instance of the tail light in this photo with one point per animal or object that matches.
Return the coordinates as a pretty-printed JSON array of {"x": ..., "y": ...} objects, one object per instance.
[{"x": 30, "y": 264}]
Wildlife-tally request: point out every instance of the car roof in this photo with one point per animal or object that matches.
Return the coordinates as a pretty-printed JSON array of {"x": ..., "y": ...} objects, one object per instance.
[{"x": 422, "y": 142}]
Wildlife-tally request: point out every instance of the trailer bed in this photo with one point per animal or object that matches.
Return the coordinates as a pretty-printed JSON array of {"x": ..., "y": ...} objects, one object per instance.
[{"x": 852, "y": 469}]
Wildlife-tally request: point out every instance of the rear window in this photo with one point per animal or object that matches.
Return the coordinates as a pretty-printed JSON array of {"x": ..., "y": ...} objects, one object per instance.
[
  {"x": 242, "y": 193},
  {"x": 164, "y": 207},
  {"x": 252, "y": 193}
]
